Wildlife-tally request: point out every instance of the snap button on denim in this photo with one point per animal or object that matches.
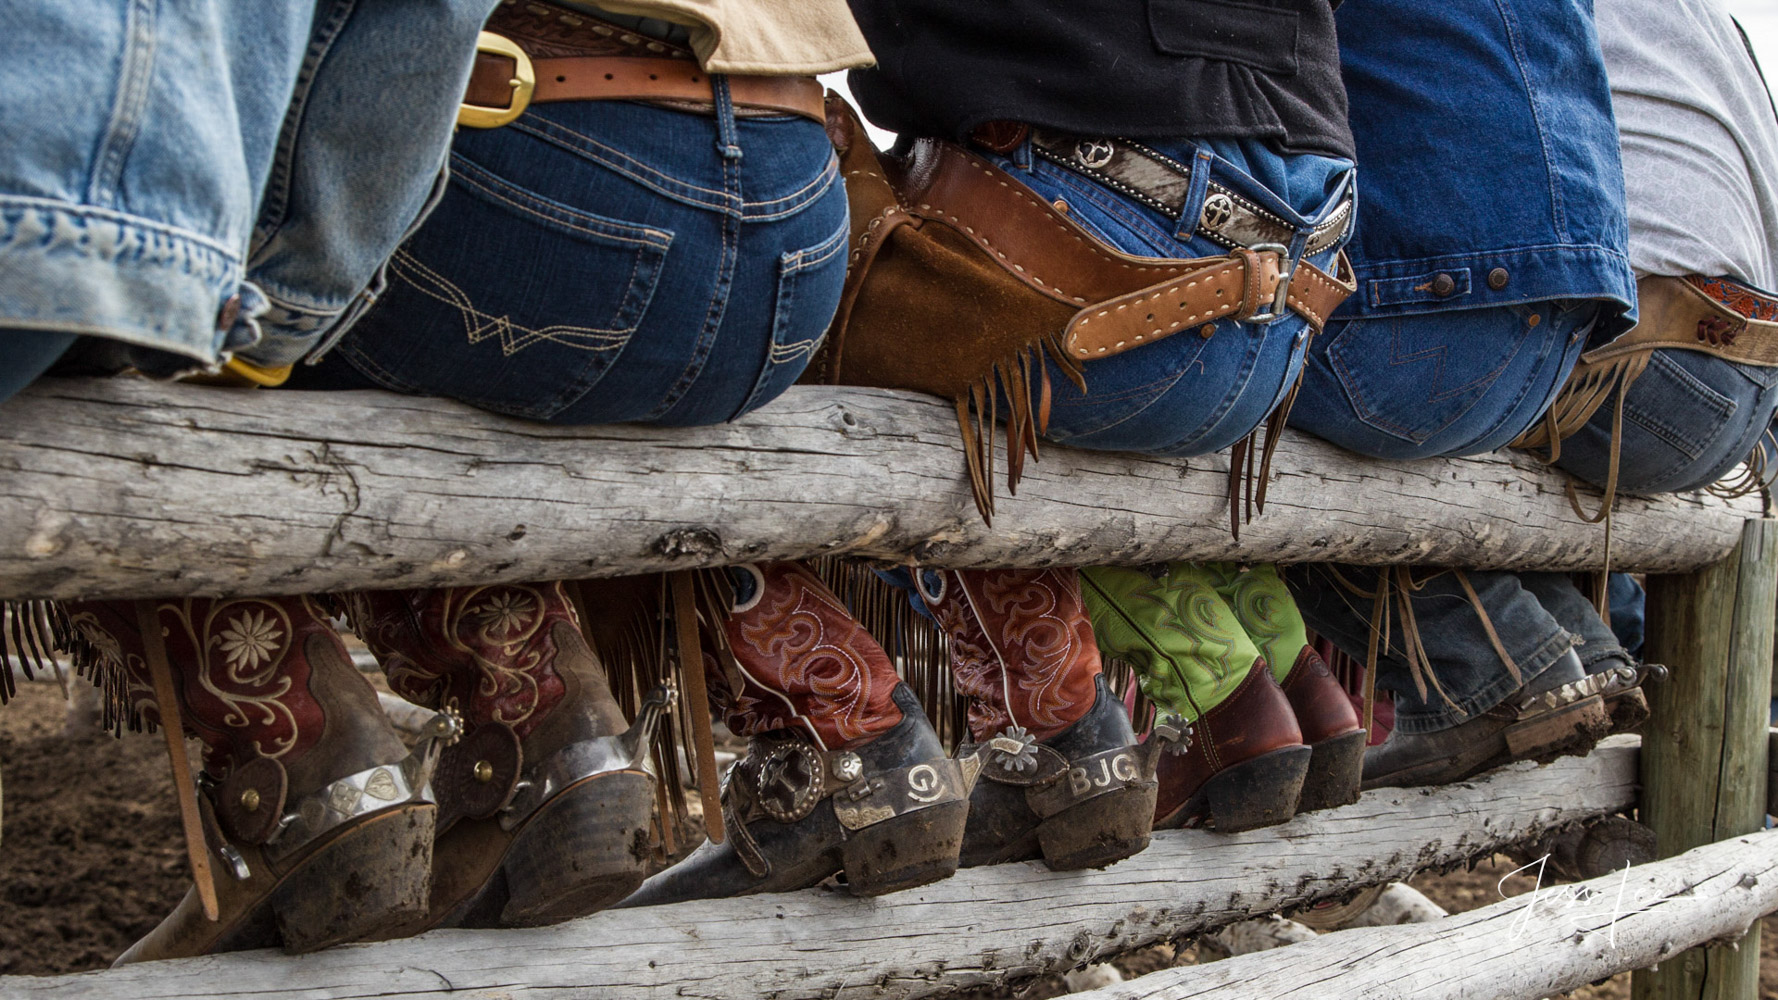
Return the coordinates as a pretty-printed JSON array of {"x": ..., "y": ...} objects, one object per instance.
[
  {"x": 1443, "y": 285},
  {"x": 1498, "y": 278}
]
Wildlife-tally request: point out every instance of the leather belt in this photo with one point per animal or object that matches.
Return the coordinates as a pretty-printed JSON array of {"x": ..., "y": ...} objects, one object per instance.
[
  {"x": 1164, "y": 185},
  {"x": 544, "y": 53},
  {"x": 1711, "y": 315},
  {"x": 627, "y": 78},
  {"x": 1121, "y": 301}
]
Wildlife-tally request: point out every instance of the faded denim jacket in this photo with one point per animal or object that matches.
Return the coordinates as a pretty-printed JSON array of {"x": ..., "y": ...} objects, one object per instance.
[
  {"x": 202, "y": 177},
  {"x": 1490, "y": 158}
]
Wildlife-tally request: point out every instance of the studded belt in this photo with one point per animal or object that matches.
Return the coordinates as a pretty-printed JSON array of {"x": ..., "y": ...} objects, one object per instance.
[{"x": 1164, "y": 184}]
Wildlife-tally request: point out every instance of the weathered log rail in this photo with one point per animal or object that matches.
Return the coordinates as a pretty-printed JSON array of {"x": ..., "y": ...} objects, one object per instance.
[
  {"x": 128, "y": 488},
  {"x": 983, "y": 925}
]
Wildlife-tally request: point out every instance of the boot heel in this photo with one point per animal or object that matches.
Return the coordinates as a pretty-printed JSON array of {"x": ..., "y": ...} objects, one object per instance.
[
  {"x": 1571, "y": 729},
  {"x": 910, "y": 850},
  {"x": 584, "y": 850},
  {"x": 373, "y": 877},
  {"x": 1336, "y": 767},
  {"x": 1258, "y": 792},
  {"x": 1099, "y": 831}
]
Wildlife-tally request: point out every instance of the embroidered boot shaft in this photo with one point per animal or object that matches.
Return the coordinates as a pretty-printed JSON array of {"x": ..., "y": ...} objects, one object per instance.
[
  {"x": 843, "y": 772},
  {"x": 545, "y": 806},
  {"x": 1022, "y": 649},
  {"x": 1062, "y": 775},
  {"x": 1245, "y": 761},
  {"x": 304, "y": 777},
  {"x": 805, "y": 664}
]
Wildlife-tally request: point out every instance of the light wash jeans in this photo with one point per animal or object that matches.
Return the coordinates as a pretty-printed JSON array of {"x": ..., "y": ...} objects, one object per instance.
[{"x": 192, "y": 178}]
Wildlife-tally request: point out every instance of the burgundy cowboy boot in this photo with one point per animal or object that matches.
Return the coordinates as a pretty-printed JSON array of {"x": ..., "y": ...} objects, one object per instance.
[
  {"x": 1332, "y": 730},
  {"x": 1063, "y": 777},
  {"x": 842, "y": 773},
  {"x": 545, "y": 805},
  {"x": 314, "y": 812}
]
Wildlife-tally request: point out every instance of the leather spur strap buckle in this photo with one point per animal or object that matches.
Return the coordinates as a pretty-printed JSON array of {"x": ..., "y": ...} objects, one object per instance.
[{"x": 523, "y": 84}]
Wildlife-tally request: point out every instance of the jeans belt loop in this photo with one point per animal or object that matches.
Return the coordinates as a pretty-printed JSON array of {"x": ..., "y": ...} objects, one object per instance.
[{"x": 1280, "y": 299}]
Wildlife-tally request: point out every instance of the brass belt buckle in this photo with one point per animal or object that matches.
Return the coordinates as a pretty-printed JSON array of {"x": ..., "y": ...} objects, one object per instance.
[
  {"x": 1287, "y": 270},
  {"x": 523, "y": 83}
]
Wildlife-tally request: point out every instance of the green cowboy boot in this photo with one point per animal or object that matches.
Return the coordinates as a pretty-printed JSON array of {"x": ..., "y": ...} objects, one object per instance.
[
  {"x": 1244, "y": 761},
  {"x": 1324, "y": 713}
]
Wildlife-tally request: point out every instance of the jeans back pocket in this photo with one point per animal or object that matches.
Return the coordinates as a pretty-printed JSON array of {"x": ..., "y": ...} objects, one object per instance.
[
  {"x": 508, "y": 300},
  {"x": 809, "y": 286}
]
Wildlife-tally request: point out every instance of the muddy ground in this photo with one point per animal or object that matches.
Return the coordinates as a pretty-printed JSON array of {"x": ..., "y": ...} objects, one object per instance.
[{"x": 91, "y": 858}]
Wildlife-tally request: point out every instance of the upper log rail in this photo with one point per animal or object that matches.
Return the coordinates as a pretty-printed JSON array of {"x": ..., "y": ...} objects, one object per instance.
[{"x": 130, "y": 488}]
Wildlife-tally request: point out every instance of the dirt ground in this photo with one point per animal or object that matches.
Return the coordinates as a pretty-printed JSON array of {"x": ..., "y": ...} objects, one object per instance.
[{"x": 91, "y": 858}]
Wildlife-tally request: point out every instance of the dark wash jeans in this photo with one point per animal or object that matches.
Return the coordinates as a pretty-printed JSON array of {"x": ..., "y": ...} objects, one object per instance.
[
  {"x": 1445, "y": 384},
  {"x": 607, "y": 261},
  {"x": 1538, "y": 616}
]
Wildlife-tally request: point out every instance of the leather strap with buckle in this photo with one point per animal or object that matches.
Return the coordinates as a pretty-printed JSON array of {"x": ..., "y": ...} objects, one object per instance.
[
  {"x": 1049, "y": 253},
  {"x": 506, "y": 80}
]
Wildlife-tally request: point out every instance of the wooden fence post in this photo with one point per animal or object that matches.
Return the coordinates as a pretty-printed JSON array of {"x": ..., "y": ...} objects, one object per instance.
[{"x": 1704, "y": 746}]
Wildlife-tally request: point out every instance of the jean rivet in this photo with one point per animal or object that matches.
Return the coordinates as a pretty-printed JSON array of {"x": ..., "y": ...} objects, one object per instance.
[{"x": 1498, "y": 278}]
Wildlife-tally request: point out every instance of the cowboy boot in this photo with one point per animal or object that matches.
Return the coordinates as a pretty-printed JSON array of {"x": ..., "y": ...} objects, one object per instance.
[
  {"x": 1324, "y": 713},
  {"x": 1063, "y": 777},
  {"x": 1243, "y": 761},
  {"x": 1612, "y": 673},
  {"x": 1557, "y": 713},
  {"x": 315, "y": 817},
  {"x": 545, "y": 806},
  {"x": 842, "y": 773}
]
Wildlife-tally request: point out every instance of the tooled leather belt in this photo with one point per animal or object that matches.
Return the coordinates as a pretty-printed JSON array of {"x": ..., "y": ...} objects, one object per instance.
[
  {"x": 1717, "y": 316},
  {"x": 537, "y": 53},
  {"x": 1158, "y": 181}
]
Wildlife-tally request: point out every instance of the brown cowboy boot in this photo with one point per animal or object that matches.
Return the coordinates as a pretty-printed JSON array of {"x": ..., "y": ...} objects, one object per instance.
[
  {"x": 316, "y": 823},
  {"x": 1330, "y": 726},
  {"x": 1063, "y": 777},
  {"x": 843, "y": 772},
  {"x": 1243, "y": 761},
  {"x": 545, "y": 805}
]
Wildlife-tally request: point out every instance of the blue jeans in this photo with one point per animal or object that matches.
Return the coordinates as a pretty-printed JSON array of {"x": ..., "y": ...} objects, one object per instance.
[
  {"x": 1688, "y": 419},
  {"x": 193, "y": 177},
  {"x": 1463, "y": 382},
  {"x": 1538, "y": 617},
  {"x": 605, "y": 261},
  {"x": 1187, "y": 394}
]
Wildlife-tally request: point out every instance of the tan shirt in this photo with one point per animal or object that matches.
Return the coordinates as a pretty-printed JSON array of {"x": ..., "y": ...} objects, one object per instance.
[{"x": 762, "y": 37}]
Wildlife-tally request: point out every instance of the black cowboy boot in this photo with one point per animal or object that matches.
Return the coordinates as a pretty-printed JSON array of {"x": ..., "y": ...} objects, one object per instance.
[
  {"x": 1063, "y": 778},
  {"x": 843, "y": 773}
]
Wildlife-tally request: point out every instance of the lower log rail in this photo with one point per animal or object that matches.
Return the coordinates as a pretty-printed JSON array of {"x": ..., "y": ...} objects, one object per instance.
[
  {"x": 1529, "y": 946},
  {"x": 983, "y": 926}
]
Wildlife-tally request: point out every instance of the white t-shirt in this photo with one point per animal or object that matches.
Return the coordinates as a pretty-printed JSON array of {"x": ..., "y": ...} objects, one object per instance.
[{"x": 1699, "y": 139}]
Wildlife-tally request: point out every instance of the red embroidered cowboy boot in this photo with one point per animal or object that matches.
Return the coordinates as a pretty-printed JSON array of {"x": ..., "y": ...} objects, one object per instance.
[
  {"x": 1063, "y": 777},
  {"x": 843, "y": 772},
  {"x": 317, "y": 827},
  {"x": 545, "y": 805}
]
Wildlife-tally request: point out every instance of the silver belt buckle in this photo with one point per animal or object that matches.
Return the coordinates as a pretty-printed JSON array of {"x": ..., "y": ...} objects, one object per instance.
[{"x": 1281, "y": 296}]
